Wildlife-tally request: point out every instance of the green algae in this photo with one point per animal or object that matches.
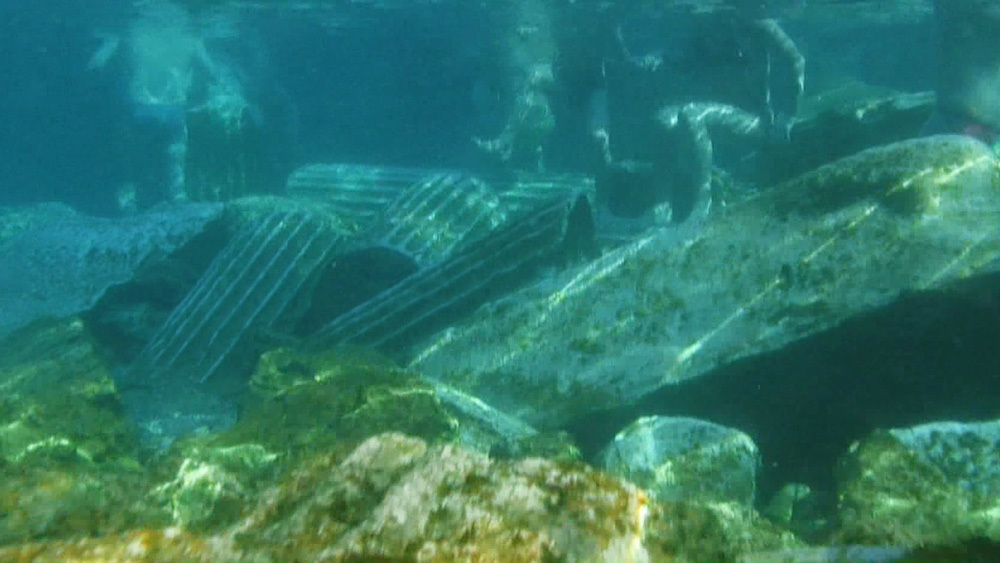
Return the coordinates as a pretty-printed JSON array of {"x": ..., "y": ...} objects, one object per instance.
[
  {"x": 59, "y": 397},
  {"x": 214, "y": 484},
  {"x": 68, "y": 455},
  {"x": 890, "y": 495},
  {"x": 311, "y": 402}
]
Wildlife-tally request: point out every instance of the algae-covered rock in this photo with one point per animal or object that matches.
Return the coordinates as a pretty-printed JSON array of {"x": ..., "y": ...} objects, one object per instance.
[
  {"x": 38, "y": 503},
  {"x": 694, "y": 532},
  {"x": 214, "y": 485},
  {"x": 831, "y": 554},
  {"x": 53, "y": 353},
  {"x": 556, "y": 446},
  {"x": 484, "y": 428},
  {"x": 796, "y": 507},
  {"x": 968, "y": 454},
  {"x": 396, "y": 499},
  {"x": 316, "y": 402},
  {"x": 67, "y": 465},
  {"x": 59, "y": 401},
  {"x": 843, "y": 240},
  {"x": 943, "y": 180},
  {"x": 685, "y": 459},
  {"x": 845, "y": 120},
  {"x": 934, "y": 484},
  {"x": 283, "y": 371}
]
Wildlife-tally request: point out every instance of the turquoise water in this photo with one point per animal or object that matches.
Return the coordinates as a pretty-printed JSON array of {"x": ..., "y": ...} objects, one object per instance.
[{"x": 236, "y": 237}]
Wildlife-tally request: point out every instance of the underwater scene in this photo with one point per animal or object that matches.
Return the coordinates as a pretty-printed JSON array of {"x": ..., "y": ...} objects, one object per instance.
[{"x": 500, "y": 281}]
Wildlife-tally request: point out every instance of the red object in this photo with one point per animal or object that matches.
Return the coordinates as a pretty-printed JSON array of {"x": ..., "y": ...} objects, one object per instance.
[{"x": 979, "y": 131}]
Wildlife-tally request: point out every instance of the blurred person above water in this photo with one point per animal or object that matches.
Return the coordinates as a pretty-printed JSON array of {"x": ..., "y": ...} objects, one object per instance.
[
  {"x": 170, "y": 75},
  {"x": 526, "y": 49},
  {"x": 645, "y": 91},
  {"x": 968, "y": 69},
  {"x": 562, "y": 58}
]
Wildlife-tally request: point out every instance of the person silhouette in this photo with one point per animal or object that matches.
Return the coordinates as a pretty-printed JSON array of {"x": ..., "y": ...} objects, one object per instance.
[{"x": 968, "y": 70}]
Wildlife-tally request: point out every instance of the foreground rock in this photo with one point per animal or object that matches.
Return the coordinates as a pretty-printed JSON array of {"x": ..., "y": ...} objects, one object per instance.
[
  {"x": 678, "y": 458},
  {"x": 395, "y": 498},
  {"x": 67, "y": 457},
  {"x": 279, "y": 486},
  {"x": 936, "y": 483}
]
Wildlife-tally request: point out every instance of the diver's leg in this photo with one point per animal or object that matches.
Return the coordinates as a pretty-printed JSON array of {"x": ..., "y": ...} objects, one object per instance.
[
  {"x": 530, "y": 51},
  {"x": 692, "y": 160},
  {"x": 156, "y": 153},
  {"x": 694, "y": 149},
  {"x": 783, "y": 89}
]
